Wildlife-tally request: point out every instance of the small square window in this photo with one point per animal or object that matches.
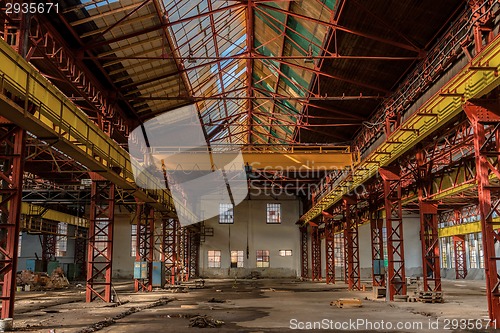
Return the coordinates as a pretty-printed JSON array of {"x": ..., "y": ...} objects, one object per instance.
[
  {"x": 226, "y": 213},
  {"x": 285, "y": 253},
  {"x": 273, "y": 213},
  {"x": 214, "y": 259},
  {"x": 237, "y": 259},
  {"x": 262, "y": 258}
]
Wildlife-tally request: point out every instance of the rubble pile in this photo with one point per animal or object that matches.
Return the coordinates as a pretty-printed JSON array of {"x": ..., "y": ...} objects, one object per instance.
[
  {"x": 204, "y": 321},
  {"x": 42, "y": 281}
]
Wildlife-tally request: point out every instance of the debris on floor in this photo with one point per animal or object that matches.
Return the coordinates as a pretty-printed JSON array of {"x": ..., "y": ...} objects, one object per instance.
[
  {"x": 215, "y": 300},
  {"x": 430, "y": 297},
  {"x": 111, "y": 321},
  {"x": 400, "y": 298},
  {"x": 204, "y": 321},
  {"x": 347, "y": 303},
  {"x": 42, "y": 281}
]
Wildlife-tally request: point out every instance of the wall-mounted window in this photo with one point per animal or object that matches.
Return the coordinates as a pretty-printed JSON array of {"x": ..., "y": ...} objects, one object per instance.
[
  {"x": 451, "y": 252},
  {"x": 273, "y": 213},
  {"x": 262, "y": 258},
  {"x": 62, "y": 239},
  {"x": 338, "y": 249},
  {"x": 237, "y": 259},
  {"x": 19, "y": 244},
  {"x": 285, "y": 253},
  {"x": 446, "y": 246},
  {"x": 480, "y": 249},
  {"x": 226, "y": 213},
  {"x": 472, "y": 243},
  {"x": 133, "y": 242},
  {"x": 214, "y": 259}
]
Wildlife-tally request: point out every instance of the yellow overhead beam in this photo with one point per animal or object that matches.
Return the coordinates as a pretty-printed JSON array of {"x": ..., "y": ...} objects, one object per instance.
[
  {"x": 307, "y": 159},
  {"x": 56, "y": 120},
  {"x": 326, "y": 159},
  {"x": 53, "y": 215},
  {"x": 474, "y": 80},
  {"x": 460, "y": 229}
]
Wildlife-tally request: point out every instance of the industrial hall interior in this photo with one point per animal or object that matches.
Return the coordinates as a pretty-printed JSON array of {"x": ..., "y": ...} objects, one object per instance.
[{"x": 249, "y": 165}]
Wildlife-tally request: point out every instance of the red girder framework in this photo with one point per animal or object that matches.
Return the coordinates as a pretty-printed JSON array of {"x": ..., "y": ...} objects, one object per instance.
[
  {"x": 304, "y": 253},
  {"x": 446, "y": 51},
  {"x": 315, "y": 253},
  {"x": 484, "y": 114},
  {"x": 42, "y": 41},
  {"x": 330, "y": 253},
  {"x": 12, "y": 144},
  {"x": 483, "y": 27},
  {"x": 346, "y": 259},
  {"x": 169, "y": 248},
  {"x": 145, "y": 245},
  {"x": 429, "y": 237},
  {"x": 49, "y": 240},
  {"x": 376, "y": 224},
  {"x": 185, "y": 252},
  {"x": 430, "y": 246},
  {"x": 194, "y": 253},
  {"x": 460, "y": 257},
  {"x": 394, "y": 225},
  {"x": 80, "y": 253},
  {"x": 100, "y": 240},
  {"x": 352, "y": 241}
]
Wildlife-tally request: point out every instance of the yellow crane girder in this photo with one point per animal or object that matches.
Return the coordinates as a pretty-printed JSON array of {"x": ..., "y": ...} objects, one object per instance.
[
  {"x": 477, "y": 78},
  {"x": 58, "y": 121}
]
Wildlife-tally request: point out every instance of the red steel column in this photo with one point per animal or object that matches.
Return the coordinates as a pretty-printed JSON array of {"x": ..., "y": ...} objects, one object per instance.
[
  {"x": 304, "y": 253},
  {"x": 351, "y": 227},
  {"x": 12, "y": 144},
  {"x": 429, "y": 237},
  {"x": 460, "y": 257},
  {"x": 185, "y": 254},
  {"x": 394, "y": 226},
  {"x": 49, "y": 240},
  {"x": 484, "y": 114},
  {"x": 315, "y": 253},
  {"x": 430, "y": 246},
  {"x": 376, "y": 224},
  {"x": 169, "y": 253},
  {"x": 12, "y": 153},
  {"x": 100, "y": 242},
  {"x": 345, "y": 234},
  {"x": 330, "y": 253},
  {"x": 80, "y": 253},
  {"x": 145, "y": 246},
  {"x": 194, "y": 254}
]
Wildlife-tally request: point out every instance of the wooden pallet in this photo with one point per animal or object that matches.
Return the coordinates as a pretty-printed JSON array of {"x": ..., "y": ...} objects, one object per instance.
[
  {"x": 346, "y": 303},
  {"x": 431, "y": 300},
  {"x": 430, "y": 297}
]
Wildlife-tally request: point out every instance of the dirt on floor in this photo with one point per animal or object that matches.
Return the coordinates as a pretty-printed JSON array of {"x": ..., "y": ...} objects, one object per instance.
[{"x": 259, "y": 305}]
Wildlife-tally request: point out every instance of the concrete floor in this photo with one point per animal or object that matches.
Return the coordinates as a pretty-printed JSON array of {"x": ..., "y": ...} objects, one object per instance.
[{"x": 250, "y": 306}]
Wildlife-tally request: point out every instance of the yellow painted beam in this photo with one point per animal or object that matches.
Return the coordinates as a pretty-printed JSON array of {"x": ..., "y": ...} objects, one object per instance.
[
  {"x": 460, "y": 229},
  {"x": 312, "y": 160},
  {"x": 323, "y": 159},
  {"x": 58, "y": 121},
  {"x": 54, "y": 215},
  {"x": 470, "y": 82}
]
